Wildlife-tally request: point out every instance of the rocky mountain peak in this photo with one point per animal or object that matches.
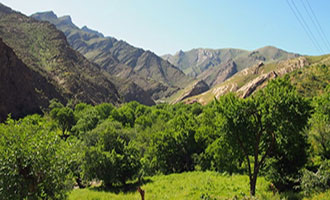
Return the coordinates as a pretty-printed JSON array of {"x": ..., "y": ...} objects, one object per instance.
[
  {"x": 180, "y": 53},
  {"x": 5, "y": 9},
  {"x": 49, "y": 15},
  {"x": 86, "y": 29},
  {"x": 66, "y": 19}
]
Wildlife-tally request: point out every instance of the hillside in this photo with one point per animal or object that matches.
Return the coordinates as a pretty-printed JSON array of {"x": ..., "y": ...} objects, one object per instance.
[
  {"x": 157, "y": 77},
  {"x": 216, "y": 65},
  {"x": 45, "y": 50},
  {"x": 250, "y": 79},
  {"x": 312, "y": 80},
  {"x": 309, "y": 74},
  {"x": 22, "y": 90}
]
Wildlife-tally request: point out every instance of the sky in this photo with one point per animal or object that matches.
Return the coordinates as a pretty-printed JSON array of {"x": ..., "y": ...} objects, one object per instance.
[{"x": 167, "y": 26}]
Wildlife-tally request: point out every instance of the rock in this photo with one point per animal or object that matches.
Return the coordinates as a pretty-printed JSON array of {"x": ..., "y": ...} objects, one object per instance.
[
  {"x": 196, "y": 89},
  {"x": 219, "y": 74},
  {"x": 250, "y": 87}
]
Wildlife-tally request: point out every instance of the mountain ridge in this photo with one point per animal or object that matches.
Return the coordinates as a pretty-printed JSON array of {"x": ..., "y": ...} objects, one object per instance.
[
  {"x": 310, "y": 74},
  {"x": 204, "y": 63},
  {"x": 45, "y": 50},
  {"x": 159, "y": 78}
]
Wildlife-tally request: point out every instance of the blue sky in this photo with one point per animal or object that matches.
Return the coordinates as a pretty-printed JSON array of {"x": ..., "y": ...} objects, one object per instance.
[{"x": 166, "y": 26}]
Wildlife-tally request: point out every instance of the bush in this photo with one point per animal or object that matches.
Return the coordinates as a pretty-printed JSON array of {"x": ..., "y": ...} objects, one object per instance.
[
  {"x": 33, "y": 160},
  {"x": 316, "y": 182},
  {"x": 110, "y": 156}
]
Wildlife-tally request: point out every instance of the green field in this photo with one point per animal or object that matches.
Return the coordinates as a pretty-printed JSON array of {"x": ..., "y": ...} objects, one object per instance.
[
  {"x": 190, "y": 185},
  {"x": 193, "y": 186}
]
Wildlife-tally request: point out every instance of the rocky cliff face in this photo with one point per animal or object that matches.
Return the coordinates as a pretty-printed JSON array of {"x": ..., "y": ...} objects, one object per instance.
[
  {"x": 157, "y": 77},
  {"x": 44, "y": 49},
  {"x": 195, "y": 89},
  {"x": 216, "y": 75},
  {"x": 23, "y": 91}
]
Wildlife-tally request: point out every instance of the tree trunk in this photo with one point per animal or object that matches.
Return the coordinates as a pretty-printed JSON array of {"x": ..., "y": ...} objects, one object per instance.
[
  {"x": 141, "y": 192},
  {"x": 79, "y": 182},
  {"x": 253, "y": 183}
]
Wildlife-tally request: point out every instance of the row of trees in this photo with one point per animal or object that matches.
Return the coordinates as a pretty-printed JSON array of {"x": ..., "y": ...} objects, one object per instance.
[{"x": 275, "y": 133}]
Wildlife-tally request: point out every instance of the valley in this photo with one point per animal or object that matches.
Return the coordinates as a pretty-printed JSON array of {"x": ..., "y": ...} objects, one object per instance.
[{"x": 89, "y": 116}]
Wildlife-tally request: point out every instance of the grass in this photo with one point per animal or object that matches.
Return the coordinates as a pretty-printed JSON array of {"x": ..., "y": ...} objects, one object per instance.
[
  {"x": 322, "y": 196},
  {"x": 189, "y": 185}
]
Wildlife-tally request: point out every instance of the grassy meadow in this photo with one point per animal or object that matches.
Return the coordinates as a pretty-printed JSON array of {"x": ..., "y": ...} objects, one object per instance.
[
  {"x": 184, "y": 186},
  {"x": 192, "y": 186}
]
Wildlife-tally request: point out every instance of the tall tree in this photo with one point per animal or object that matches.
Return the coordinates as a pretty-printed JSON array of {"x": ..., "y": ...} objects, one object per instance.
[{"x": 271, "y": 119}]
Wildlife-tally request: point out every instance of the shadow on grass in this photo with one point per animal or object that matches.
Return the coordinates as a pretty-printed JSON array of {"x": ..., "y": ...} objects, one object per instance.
[{"x": 130, "y": 187}]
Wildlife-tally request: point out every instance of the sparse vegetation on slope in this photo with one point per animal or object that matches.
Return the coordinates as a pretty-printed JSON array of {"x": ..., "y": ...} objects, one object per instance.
[
  {"x": 45, "y": 50},
  {"x": 302, "y": 71},
  {"x": 312, "y": 80},
  {"x": 157, "y": 77},
  {"x": 23, "y": 91}
]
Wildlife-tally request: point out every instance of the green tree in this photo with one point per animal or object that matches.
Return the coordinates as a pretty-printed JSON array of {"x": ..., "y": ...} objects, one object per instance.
[
  {"x": 269, "y": 122},
  {"x": 125, "y": 115},
  {"x": 104, "y": 110},
  {"x": 65, "y": 118},
  {"x": 320, "y": 125},
  {"x": 173, "y": 149},
  {"x": 87, "y": 119},
  {"x": 111, "y": 156},
  {"x": 33, "y": 160}
]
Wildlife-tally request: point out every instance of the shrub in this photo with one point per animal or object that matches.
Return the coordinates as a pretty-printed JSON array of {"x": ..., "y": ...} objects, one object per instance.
[
  {"x": 311, "y": 182},
  {"x": 110, "y": 156},
  {"x": 33, "y": 160}
]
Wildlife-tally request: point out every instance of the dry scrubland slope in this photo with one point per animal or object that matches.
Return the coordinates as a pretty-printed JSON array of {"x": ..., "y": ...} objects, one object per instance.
[{"x": 310, "y": 74}]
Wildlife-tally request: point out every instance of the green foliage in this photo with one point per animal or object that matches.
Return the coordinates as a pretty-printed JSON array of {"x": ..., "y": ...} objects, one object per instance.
[
  {"x": 316, "y": 182},
  {"x": 268, "y": 125},
  {"x": 104, "y": 110},
  {"x": 222, "y": 157},
  {"x": 116, "y": 145},
  {"x": 33, "y": 160},
  {"x": 87, "y": 119},
  {"x": 286, "y": 114},
  {"x": 320, "y": 125},
  {"x": 111, "y": 156},
  {"x": 173, "y": 150},
  {"x": 64, "y": 117},
  {"x": 125, "y": 115},
  {"x": 312, "y": 80}
]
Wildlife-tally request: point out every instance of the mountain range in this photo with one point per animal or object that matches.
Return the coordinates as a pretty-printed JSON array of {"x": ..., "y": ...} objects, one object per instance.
[
  {"x": 146, "y": 70},
  {"x": 216, "y": 65},
  {"x": 44, "y": 57}
]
